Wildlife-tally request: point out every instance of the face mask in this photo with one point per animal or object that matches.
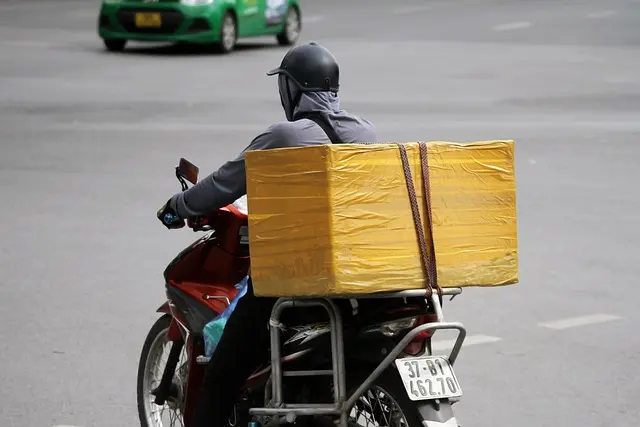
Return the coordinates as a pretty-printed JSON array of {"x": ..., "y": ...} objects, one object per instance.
[{"x": 289, "y": 96}]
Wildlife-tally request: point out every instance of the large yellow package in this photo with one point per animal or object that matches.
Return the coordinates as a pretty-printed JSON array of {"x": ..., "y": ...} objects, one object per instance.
[{"x": 336, "y": 220}]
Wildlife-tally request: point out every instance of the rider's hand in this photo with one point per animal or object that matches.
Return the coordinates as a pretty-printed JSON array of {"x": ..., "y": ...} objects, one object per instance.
[{"x": 169, "y": 218}]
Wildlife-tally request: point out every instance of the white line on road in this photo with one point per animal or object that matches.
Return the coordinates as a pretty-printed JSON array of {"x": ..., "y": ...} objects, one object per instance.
[
  {"x": 312, "y": 19},
  {"x": 512, "y": 26},
  {"x": 574, "y": 322},
  {"x": 410, "y": 9},
  {"x": 470, "y": 340},
  {"x": 601, "y": 14}
]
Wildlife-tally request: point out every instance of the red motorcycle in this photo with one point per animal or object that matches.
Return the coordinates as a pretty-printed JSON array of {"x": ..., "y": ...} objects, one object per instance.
[{"x": 347, "y": 361}]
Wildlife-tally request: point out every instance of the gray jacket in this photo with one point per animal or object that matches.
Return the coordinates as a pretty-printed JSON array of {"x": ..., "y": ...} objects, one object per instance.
[{"x": 229, "y": 183}]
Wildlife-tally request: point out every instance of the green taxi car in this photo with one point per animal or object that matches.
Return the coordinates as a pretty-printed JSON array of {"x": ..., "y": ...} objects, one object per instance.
[{"x": 217, "y": 22}]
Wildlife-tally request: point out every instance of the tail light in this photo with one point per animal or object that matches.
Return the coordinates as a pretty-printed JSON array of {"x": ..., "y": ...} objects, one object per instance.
[
  {"x": 417, "y": 344},
  {"x": 391, "y": 329},
  {"x": 394, "y": 327}
]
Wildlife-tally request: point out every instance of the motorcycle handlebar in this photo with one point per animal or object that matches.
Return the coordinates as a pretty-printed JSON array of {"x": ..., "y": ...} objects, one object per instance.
[
  {"x": 199, "y": 223},
  {"x": 189, "y": 171}
]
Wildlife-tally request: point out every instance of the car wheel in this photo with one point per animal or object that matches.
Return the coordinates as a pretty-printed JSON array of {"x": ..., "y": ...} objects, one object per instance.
[
  {"x": 115, "y": 45},
  {"x": 292, "y": 28},
  {"x": 228, "y": 34}
]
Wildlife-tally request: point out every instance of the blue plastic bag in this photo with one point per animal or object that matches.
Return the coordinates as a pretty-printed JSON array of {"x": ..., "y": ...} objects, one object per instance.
[{"x": 213, "y": 330}]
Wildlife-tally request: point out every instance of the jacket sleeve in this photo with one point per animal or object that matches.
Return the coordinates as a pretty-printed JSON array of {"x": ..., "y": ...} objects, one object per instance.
[{"x": 225, "y": 185}]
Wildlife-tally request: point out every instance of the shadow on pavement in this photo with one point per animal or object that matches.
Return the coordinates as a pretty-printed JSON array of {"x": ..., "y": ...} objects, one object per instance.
[{"x": 187, "y": 49}]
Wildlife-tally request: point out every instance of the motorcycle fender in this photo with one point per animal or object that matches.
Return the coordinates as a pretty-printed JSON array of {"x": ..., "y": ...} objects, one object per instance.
[
  {"x": 173, "y": 334},
  {"x": 436, "y": 413},
  {"x": 164, "y": 308}
]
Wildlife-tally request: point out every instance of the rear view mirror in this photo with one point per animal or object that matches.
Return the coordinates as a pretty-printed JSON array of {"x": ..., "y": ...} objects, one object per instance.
[{"x": 188, "y": 171}]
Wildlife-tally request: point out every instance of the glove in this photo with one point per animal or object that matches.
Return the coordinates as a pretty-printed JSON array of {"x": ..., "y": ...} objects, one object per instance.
[{"x": 169, "y": 218}]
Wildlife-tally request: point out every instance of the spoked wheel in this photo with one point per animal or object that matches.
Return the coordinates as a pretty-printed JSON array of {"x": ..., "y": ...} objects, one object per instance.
[
  {"x": 386, "y": 404},
  {"x": 153, "y": 360},
  {"x": 377, "y": 407}
]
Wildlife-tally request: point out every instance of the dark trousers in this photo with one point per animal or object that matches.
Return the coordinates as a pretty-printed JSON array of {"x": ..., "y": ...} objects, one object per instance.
[{"x": 243, "y": 346}]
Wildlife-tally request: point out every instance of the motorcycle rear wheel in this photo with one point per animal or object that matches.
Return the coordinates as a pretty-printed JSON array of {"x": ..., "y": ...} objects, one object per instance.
[
  {"x": 386, "y": 403},
  {"x": 153, "y": 360}
]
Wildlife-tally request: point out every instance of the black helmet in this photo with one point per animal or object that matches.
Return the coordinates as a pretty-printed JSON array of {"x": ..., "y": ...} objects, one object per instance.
[
  {"x": 312, "y": 67},
  {"x": 305, "y": 68}
]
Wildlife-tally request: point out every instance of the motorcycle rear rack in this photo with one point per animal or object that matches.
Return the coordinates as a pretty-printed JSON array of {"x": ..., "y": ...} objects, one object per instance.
[{"x": 284, "y": 412}]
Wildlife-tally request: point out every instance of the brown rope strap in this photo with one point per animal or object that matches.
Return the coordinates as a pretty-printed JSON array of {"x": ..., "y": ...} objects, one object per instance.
[{"x": 428, "y": 262}]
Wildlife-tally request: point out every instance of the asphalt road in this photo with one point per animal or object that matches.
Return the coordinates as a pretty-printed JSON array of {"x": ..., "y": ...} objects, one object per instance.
[{"x": 89, "y": 139}]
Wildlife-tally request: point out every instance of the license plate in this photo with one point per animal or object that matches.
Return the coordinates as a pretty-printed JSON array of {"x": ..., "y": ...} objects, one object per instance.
[
  {"x": 428, "y": 377},
  {"x": 145, "y": 20}
]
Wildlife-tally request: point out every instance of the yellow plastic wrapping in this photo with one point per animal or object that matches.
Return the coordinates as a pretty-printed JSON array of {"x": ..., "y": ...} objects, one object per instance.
[{"x": 335, "y": 220}]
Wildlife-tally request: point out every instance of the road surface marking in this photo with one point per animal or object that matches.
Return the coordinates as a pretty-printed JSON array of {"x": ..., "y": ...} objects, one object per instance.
[
  {"x": 469, "y": 340},
  {"x": 512, "y": 26},
  {"x": 312, "y": 19},
  {"x": 601, "y": 14},
  {"x": 575, "y": 322},
  {"x": 410, "y": 9}
]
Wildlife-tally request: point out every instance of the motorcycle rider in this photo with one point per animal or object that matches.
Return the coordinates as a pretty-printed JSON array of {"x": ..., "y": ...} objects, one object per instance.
[{"x": 308, "y": 83}]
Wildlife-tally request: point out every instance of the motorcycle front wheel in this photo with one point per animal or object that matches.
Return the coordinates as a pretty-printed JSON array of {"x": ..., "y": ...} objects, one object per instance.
[{"x": 153, "y": 360}]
